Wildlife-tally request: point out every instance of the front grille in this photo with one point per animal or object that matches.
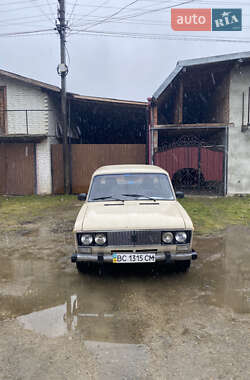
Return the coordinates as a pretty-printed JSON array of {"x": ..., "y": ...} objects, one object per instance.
[{"x": 134, "y": 237}]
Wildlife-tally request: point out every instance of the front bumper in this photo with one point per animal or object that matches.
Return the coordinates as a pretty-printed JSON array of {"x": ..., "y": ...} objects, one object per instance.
[{"x": 160, "y": 256}]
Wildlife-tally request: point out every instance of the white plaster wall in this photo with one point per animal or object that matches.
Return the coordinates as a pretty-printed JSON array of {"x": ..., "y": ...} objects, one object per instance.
[
  {"x": 22, "y": 96},
  {"x": 239, "y": 142},
  {"x": 43, "y": 152},
  {"x": 43, "y": 168}
]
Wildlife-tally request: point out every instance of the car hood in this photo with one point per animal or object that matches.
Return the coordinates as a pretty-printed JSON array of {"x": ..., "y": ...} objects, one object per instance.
[{"x": 101, "y": 216}]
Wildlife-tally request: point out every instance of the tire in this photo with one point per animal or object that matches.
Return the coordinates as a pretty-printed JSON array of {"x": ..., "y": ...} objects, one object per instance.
[
  {"x": 182, "y": 266},
  {"x": 82, "y": 266}
]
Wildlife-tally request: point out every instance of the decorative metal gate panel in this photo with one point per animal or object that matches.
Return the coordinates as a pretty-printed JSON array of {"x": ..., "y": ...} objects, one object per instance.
[{"x": 193, "y": 165}]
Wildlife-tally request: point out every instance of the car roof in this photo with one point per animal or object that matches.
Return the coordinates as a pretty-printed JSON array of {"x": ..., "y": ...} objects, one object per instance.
[{"x": 120, "y": 169}]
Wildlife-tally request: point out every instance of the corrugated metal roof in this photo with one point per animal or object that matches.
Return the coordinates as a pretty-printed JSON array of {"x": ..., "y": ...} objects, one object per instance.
[
  {"x": 109, "y": 100},
  {"x": 196, "y": 62},
  {"x": 56, "y": 89}
]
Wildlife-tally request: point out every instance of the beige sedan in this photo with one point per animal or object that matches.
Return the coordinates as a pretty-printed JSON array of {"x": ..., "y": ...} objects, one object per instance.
[{"x": 131, "y": 215}]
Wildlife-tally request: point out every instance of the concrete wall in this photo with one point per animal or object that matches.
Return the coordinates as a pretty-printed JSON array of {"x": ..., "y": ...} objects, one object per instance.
[
  {"x": 22, "y": 96},
  {"x": 239, "y": 142}
]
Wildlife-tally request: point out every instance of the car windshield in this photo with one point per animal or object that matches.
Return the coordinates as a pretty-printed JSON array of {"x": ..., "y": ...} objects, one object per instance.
[{"x": 130, "y": 187}]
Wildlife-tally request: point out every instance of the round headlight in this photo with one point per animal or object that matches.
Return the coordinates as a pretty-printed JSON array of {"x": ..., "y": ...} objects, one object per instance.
[
  {"x": 100, "y": 239},
  {"x": 167, "y": 237},
  {"x": 86, "y": 239},
  {"x": 181, "y": 237}
]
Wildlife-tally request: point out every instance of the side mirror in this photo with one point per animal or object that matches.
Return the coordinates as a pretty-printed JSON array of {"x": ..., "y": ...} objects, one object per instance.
[
  {"x": 82, "y": 197},
  {"x": 179, "y": 194}
]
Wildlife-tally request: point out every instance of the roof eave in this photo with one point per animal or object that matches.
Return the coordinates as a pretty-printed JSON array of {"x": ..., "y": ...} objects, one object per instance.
[
  {"x": 167, "y": 82},
  {"x": 196, "y": 62}
]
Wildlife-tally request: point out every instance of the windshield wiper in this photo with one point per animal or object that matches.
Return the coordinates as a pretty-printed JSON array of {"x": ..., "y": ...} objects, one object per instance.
[
  {"x": 139, "y": 195},
  {"x": 108, "y": 197}
]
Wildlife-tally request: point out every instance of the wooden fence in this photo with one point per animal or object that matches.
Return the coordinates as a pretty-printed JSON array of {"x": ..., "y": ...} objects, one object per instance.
[{"x": 86, "y": 158}]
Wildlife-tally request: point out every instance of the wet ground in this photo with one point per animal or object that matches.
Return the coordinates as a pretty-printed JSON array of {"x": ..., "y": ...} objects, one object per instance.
[{"x": 131, "y": 323}]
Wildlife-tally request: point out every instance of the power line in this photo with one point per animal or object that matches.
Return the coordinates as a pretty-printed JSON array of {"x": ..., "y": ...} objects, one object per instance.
[
  {"x": 112, "y": 15},
  {"x": 29, "y": 32},
  {"x": 19, "y": 9},
  {"x": 17, "y": 2},
  {"x": 96, "y": 8},
  {"x": 138, "y": 14},
  {"x": 72, "y": 10},
  {"x": 156, "y": 10},
  {"x": 19, "y": 18},
  {"x": 51, "y": 10},
  {"x": 42, "y": 11},
  {"x": 159, "y": 36},
  {"x": 20, "y": 23}
]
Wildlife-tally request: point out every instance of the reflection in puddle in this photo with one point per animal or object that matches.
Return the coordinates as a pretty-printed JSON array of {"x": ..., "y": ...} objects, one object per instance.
[
  {"x": 48, "y": 322},
  {"x": 72, "y": 315}
]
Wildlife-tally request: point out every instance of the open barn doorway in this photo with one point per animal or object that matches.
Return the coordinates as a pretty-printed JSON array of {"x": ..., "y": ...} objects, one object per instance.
[{"x": 102, "y": 132}]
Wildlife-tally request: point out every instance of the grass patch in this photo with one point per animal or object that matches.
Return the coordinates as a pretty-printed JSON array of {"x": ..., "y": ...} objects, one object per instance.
[
  {"x": 15, "y": 211},
  {"x": 214, "y": 214},
  {"x": 209, "y": 215}
]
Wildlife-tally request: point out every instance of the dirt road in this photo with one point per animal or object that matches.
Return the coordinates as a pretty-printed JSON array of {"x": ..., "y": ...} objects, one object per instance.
[{"x": 132, "y": 323}]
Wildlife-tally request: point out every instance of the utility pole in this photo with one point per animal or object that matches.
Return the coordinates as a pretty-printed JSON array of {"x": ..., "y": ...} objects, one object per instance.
[{"x": 62, "y": 70}]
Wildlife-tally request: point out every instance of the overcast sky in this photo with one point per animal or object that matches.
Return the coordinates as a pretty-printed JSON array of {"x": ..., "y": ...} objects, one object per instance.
[{"x": 110, "y": 66}]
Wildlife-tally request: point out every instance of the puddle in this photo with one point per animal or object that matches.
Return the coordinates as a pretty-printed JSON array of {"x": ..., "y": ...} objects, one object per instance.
[
  {"x": 53, "y": 302},
  {"x": 226, "y": 274},
  {"x": 93, "y": 322}
]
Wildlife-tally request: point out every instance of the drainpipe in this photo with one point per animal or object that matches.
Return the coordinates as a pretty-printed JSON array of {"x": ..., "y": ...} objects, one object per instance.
[
  {"x": 147, "y": 116},
  {"x": 151, "y": 103}
]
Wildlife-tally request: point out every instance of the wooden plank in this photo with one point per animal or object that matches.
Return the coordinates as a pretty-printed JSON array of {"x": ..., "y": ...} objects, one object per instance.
[
  {"x": 2, "y": 169},
  {"x": 57, "y": 169},
  {"x": 155, "y": 140},
  {"x": 2, "y": 110},
  {"x": 180, "y": 103},
  {"x": 197, "y": 125}
]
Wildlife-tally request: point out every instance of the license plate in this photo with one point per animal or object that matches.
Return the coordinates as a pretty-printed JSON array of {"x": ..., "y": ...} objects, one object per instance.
[{"x": 121, "y": 258}]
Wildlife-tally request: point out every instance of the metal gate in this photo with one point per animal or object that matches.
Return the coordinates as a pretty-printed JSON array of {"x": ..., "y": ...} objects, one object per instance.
[
  {"x": 17, "y": 169},
  {"x": 193, "y": 165}
]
